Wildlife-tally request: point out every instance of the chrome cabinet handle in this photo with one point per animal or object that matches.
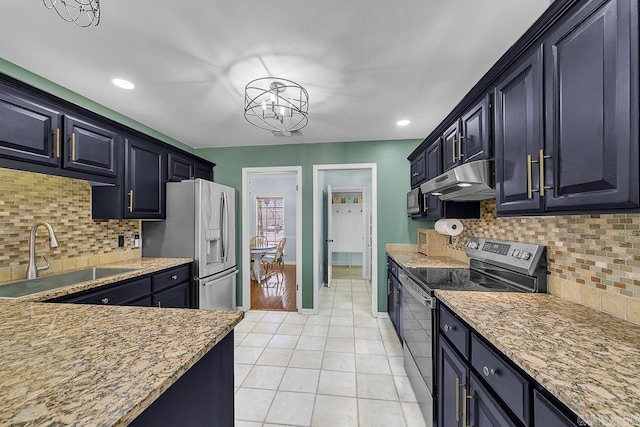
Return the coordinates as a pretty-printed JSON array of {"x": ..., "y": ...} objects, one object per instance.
[
  {"x": 105, "y": 300},
  {"x": 458, "y": 385},
  {"x": 460, "y": 155},
  {"x": 174, "y": 277},
  {"x": 448, "y": 328},
  {"x": 453, "y": 149},
  {"x": 487, "y": 371},
  {"x": 73, "y": 147},
  {"x": 541, "y": 174},
  {"x": 160, "y": 304},
  {"x": 465, "y": 398},
  {"x": 130, "y": 200}
]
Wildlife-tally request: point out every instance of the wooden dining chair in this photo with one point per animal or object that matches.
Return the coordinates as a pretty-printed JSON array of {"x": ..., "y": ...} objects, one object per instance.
[
  {"x": 273, "y": 262},
  {"x": 255, "y": 242}
]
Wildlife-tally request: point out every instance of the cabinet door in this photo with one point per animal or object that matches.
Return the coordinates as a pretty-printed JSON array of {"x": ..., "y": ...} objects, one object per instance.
[
  {"x": 179, "y": 168},
  {"x": 203, "y": 171},
  {"x": 452, "y": 378},
  {"x": 175, "y": 297},
  {"x": 450, "y": 153},
  {"x": 418, "y": 170},
  {"x": 475, "y": 135},
  {"x": 518, "y": 134},
  {"x": 546, "y": 413},
  {"x": 433, "y": 204},
  {"x": 389, "y": 296},
  {"x": 485, "y": 411},
  {"x": 89, "y": 148},
  {"x": 591, "y": 83},
  {"x": 29, "y": 131},
  {"x": 144, "y": 180}
]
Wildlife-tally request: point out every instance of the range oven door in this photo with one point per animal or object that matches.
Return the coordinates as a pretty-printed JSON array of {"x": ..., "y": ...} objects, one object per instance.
[{"x": 418, "y": 314}]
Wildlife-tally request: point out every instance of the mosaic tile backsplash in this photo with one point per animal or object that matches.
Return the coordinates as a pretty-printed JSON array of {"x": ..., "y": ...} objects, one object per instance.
[
  {"x": 27, "y": 198},
  {"x": 593, "y": 259}
]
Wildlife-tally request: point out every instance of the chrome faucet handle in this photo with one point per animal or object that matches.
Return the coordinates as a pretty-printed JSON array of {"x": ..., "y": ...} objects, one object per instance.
[{"x": 45, "y": 267}]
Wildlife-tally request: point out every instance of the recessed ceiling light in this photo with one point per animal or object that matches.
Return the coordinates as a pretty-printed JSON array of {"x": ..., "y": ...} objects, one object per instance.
[
  {"x": 403, "y": 122},
  {"x": 124, "y": 84}
]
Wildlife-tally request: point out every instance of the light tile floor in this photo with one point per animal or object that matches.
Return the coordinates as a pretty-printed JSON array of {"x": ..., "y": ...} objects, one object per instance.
[{"x": 339, "y": 368}]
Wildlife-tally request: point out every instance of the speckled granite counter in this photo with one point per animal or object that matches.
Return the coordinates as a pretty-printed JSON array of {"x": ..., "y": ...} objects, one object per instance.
[
  {"x": 142, "y": 266},
  {"x": 589, "y": 360},
  {"x": 66, "y": 364},
  {"x": 416, "y": 259}
]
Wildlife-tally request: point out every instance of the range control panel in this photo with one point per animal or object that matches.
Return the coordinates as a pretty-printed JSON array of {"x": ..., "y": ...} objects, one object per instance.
[{"x": 518, "y": 256}]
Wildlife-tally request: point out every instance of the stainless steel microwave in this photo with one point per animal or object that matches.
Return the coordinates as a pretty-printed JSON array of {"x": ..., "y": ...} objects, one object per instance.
[{"x": 414, "y": 201}]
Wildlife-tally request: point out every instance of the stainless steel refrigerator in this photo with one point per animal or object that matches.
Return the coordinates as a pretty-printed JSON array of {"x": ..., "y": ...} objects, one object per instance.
[{"x": 200, "y": 224}]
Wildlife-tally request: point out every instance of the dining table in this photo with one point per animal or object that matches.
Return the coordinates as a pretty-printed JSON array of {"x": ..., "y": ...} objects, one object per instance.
[{"x": 256, "y": 255}]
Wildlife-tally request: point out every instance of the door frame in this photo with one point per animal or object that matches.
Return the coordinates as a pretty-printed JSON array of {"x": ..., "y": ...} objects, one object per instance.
[
  {"x": 317, "y": 230},
  {"x": 246, "y": 259}
]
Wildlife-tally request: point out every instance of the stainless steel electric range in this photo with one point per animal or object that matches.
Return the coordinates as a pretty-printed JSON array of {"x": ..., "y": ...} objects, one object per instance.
[{"x": 495, "y": 266}]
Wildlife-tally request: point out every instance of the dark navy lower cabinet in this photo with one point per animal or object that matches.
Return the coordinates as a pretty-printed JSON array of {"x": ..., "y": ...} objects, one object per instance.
[
  {"x": 485, "y": 410},
  {"x": 175, "y": 297},
  {"x": 479, "y": 386},
  {"x": 452, "y": 379},
  {"x": 203, "y": 396},
  {"x": 546, "y": 413}
]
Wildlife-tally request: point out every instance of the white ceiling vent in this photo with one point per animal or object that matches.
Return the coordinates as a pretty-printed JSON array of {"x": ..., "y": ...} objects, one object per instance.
[{"x": 286, "y": 134}]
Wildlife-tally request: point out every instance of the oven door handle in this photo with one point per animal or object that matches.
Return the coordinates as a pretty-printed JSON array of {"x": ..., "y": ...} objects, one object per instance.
[{"x": 424, "y": 300}]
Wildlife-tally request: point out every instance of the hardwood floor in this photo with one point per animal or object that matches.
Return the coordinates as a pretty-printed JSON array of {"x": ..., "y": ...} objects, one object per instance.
[{"x": 269, "y": 295}]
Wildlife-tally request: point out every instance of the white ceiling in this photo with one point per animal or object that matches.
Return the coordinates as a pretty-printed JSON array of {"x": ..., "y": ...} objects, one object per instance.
[{"x": 366, "y": 64}]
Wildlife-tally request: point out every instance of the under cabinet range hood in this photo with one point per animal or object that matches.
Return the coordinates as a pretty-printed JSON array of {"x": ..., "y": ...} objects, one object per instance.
[{"x": 468, "y": 182}]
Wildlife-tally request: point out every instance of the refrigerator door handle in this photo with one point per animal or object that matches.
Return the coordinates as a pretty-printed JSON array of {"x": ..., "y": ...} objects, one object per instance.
[
  {"x": 222, "y": 234},
  {"x": 225, "y": 225},
  {"x": 231, "y": 273}
]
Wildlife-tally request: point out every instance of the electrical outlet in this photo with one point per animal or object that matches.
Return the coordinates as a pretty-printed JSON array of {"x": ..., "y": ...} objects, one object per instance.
[{"x": 120, "y": 241}]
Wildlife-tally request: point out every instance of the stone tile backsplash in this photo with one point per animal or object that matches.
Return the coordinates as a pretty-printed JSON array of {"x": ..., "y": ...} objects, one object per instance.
[
  {"x": 593, "y": 259},
  {"x": 27, "y": 198}
]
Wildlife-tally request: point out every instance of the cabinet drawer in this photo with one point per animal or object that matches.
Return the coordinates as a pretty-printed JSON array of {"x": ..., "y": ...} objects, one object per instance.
[
  {"x": 393, "y": 267},
  {"x": 454, "y": 330},
  {"x": 116, "y": 295},
  {"x": 169, "y": 278},
  {"x": 509, "y": 385}
]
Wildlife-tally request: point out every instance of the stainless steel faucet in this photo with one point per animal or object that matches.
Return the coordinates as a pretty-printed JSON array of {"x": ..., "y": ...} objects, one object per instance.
[{"x": 32, "y": 268}]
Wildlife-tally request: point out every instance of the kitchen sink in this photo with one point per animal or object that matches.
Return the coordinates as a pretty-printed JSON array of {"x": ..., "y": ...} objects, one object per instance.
[{"x": 47, "y": 283}]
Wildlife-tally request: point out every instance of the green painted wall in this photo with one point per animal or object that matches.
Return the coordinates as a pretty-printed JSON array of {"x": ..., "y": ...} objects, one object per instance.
[
  {"x": 393, "y": 184},
  {"x": 26, "y": 76}
]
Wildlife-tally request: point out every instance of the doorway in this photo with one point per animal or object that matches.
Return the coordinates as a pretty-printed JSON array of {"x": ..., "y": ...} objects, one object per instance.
[
  {"x": 272, "y": 210},
  {"x": 348, "y": 176}
]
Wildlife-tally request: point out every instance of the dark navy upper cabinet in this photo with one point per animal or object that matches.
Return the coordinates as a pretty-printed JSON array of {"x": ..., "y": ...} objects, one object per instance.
[
  {"x": 591, "y": 91},
  {"x": 89, "y": 148},
  {"x": 433, "y": 205},
  {"x": 203, "y": 170},
  {"x": 474, "y": 141},
  {"x": 468, "y": 138},
  {"x": 144, "y": 180},
  {"x": 180, "y": 168},
  {"x": 29, "y": 130},
  {"x": 450, "y": 151},
  {"x": 418, "y": 171},
  {"x": 518, "y": 135}
]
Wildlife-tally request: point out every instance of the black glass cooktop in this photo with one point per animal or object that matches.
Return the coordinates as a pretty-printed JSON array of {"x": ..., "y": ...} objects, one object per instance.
[{"x": 460, "y": 279}]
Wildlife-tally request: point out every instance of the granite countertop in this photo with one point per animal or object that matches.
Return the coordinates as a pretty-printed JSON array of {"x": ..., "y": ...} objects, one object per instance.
[
  {"x": 588, "y": 359},
  {"x": 142, "y": 267},
  {"x": 417, "y": 260},
  {"x": 64, "y": 364}
]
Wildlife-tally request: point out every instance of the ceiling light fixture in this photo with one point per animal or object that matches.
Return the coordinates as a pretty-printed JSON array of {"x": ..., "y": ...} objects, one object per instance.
[
  {"x": 403, "y": 122},
  {"x": 277, "y": 105},
  {"x": 82, "y": 12},
  {"x": 124, "y": 84}
]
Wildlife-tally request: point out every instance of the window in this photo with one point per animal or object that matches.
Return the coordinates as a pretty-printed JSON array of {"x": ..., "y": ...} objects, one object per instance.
[{"x": 270, "y": 218}]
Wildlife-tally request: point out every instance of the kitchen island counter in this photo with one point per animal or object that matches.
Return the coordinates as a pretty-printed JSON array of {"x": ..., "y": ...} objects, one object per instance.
[
  {"x": 589, "y": 360},
  {"x": 68, "y": 364},
  {"x": 139, "y": 266}
]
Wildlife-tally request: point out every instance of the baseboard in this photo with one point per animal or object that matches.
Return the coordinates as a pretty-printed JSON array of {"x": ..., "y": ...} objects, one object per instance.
[
  {"x": 240, "y": 308},
  {"x": 307, "y": 311},
  {"x": 381, "y": 315}
]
